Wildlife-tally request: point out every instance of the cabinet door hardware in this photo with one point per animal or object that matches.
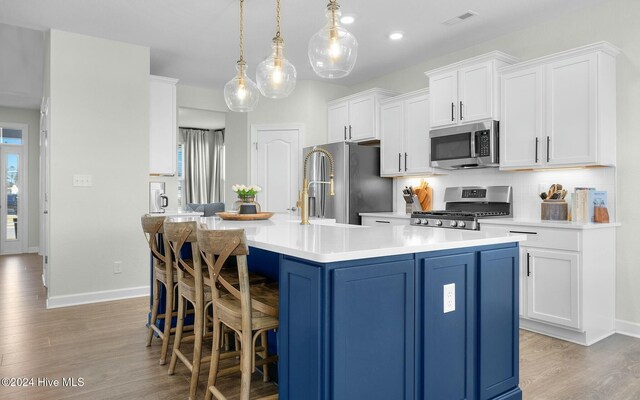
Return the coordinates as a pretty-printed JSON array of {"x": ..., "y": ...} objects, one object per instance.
[
  {"x": 399, "y": 162},
  {"x": 405, "y": 162},
  {"x": 452, "y": 111},
  {"x": 548, "y": 140},
  {"x": 524, "y": 232},
  {"x": 460, "y": 111},
  {"x": 537, "y": 145},
  {"x": 528, "y": 264},
  {"x": 383, "y": 222},
  {"x": 345, "y": 132},
  {"x": 349, "y": 131}
]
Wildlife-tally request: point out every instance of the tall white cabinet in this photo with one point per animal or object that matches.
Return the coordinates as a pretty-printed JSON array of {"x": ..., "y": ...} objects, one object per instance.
[
  {"x": 404, "y": 135},
  {"x": 560, "y": 110},
  {"x": 163, "y": 126},
  {"x": 356, "y": 117},
  {"x": 466, "y": 91},
  {"x": 567, "y": 277}
]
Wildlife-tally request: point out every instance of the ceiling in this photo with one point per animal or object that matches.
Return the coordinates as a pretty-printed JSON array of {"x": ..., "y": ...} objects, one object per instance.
[{"x": 196, "y": 41}]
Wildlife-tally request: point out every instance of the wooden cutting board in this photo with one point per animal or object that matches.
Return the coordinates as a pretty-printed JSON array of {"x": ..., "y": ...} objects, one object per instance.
[{"x": 244, "y": 217}]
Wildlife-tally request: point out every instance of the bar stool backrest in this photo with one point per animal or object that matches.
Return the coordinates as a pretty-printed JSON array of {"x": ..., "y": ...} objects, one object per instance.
[
  {"x": 216, "y": 246},
  {"x": 152, "y": 225},
  {"x": 176, "y": 234}
]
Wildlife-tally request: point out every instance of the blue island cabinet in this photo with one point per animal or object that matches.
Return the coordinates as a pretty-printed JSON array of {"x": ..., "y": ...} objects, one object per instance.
[{"x": 377, "y": 328}]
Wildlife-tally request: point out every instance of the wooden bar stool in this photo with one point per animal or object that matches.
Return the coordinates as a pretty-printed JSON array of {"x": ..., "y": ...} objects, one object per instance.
[
  {"x": 249, "y": 310},
  {"x": 163, "y": 275},
  {"x": 190, "y": 288},
  {"x": 194, "y": 287}
]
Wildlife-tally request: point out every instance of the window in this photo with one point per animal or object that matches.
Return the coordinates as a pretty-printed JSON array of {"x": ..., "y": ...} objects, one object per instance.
[
  {"x": 180, "y": 168},
  {"x": 10, "y": 136}
]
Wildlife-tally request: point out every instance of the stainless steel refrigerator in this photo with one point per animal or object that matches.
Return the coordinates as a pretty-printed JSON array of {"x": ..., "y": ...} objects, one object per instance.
[{"x": 358, "y": 185}]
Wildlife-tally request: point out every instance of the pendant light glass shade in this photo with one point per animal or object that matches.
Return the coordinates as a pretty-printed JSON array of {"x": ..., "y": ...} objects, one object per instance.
[
  {"x": 276, "y": 76},
  {"x": 333, "y": 50},
  {"x": 241, "y": 93}
]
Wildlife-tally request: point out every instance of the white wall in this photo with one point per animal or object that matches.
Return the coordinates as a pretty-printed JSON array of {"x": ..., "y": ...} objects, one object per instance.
[
  {"x": 32, "y": 119},
  {"x": 615, "y": 21},
  {"x": 306, "y": 105},
  {"x": 99, "y": 126}
]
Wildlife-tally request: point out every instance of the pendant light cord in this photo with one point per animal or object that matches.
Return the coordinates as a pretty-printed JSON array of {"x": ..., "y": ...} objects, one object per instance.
[
  {"x": 241, "y": 31},
  {"x": 277, "y": 18}
]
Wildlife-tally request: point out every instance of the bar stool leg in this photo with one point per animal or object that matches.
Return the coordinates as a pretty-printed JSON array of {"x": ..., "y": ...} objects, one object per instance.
[
  {"x": 154, "y": 309},
  {"x": 178, "y": 338},
  {"x": 168, "y": 319},
  {"x": 245, "y": 365},
  {"x": 264, "y": 342},
  {"x": 197, "y": 347},
  {"x": 215, "y": 357}
]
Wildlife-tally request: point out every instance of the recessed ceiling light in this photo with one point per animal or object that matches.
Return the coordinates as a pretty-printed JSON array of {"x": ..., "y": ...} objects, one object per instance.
[
  {"x": 347, "y": 19},
  {"x": 396, "y": 35}
]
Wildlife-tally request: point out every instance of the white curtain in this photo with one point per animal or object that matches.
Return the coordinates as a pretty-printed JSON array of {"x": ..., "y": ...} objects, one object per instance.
[{"x": 203, "y": 165}]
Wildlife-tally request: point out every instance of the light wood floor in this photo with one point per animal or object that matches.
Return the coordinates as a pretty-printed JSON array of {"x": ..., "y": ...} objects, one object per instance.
[{"x": 74, "y": 342}]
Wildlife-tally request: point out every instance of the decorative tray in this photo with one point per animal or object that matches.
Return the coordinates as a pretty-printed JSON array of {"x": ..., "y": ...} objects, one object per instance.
[{"x": 232, "y": 216}]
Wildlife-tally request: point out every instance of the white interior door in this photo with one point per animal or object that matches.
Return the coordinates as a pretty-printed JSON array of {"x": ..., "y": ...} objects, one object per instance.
[{"x": 276, "y": 163}]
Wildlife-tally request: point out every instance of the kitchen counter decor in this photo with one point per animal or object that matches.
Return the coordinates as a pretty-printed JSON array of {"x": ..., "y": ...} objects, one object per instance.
[
  {"x": 554, "y": 207},
  {"x": 236, "y": 216},
  {"x": 246, "y": 203}
]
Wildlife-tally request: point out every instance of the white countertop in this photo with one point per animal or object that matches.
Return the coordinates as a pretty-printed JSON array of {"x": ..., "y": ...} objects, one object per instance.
[
  {"x": 545, "y": 224},
  {"x": 327, "y": 242},
  {"x": 390, "y": 214}
]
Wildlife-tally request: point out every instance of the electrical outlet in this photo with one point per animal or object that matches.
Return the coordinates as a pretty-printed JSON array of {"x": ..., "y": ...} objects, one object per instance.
[
  {"x": 82, "y": 180},
  {"x": 449, "y": 297},
  {"x": 117, "y": 267}
]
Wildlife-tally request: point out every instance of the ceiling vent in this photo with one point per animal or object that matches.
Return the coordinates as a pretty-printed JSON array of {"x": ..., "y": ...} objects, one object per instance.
[{"x": 460, "y": 18}]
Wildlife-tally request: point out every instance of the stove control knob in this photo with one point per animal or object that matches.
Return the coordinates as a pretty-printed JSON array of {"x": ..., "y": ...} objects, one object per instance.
[
  {"x": 453, "y": 224},
  {"x": 425, "y": 222},
  {"x": 461, "y": 224},
  {"x": 438, "y": 222}
]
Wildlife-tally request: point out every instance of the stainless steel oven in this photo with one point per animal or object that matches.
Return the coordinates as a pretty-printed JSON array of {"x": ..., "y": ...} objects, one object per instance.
[{"x": 465, "y": 146}]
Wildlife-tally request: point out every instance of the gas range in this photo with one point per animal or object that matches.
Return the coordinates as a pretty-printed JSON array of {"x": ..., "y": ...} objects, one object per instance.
[{"x": 465, "y": 205}]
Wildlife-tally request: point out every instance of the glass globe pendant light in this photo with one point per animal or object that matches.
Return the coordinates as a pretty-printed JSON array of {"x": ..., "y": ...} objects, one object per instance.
[
  {"x": 276, "y": 76},
  {"x": 241, "y": 93},
  {"x": 333, "y": 50}
]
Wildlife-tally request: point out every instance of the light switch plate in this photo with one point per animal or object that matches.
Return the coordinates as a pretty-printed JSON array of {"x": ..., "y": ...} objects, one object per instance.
[
  {"x": 449, "y": 297},
  {"x": 82, "y": 180}
]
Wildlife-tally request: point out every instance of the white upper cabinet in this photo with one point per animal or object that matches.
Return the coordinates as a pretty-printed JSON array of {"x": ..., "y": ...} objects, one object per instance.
[
  {"x": 444, "y": 88},
  {"x": 338, "y": 121},
  {"x": 466, "y": 91},
  {"x": 560, "y": 110},
  {"x": 522, "y": 118},
  {"x": 356, "y": 117},
  {"x": 404, "y": 135},
  {"x": 163, "y": 126}
]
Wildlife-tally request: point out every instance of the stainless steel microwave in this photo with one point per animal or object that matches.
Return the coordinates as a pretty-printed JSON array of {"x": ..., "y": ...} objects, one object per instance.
[{"x": 465, "y": 146}]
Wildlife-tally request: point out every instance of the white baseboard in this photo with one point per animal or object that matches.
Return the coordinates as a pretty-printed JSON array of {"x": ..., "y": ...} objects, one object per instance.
[
  {"x": 96, "y": 297},
  {"x": 628, "y": 328},
  {"x": 33, "y": 249}
]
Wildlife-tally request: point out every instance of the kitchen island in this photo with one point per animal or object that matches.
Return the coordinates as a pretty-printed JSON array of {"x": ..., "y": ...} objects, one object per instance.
[{"x": 390, "y": 312}]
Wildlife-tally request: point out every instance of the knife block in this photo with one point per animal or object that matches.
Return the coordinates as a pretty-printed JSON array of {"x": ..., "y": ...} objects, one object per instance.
[{"x": 412, "y": 206}]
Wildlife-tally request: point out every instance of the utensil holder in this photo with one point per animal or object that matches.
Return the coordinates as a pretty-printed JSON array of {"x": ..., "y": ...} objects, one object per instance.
[{"x": 554, "y": 210}]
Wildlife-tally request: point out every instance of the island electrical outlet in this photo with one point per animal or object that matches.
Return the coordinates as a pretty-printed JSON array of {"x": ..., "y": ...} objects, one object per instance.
[{"x": 449, "y": 297}]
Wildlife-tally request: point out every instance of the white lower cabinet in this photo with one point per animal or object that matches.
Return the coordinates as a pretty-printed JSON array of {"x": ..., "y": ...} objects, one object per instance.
[
  {"x": 553, "y": 282},
  {"x": 567, "y": 279}
]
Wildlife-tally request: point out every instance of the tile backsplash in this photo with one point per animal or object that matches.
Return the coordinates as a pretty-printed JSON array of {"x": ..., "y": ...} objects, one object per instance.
[{"x": 527, "y": 185}]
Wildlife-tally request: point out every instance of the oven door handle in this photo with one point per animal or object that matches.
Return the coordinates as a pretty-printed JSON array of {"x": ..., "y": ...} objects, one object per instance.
[{"x": 472, "y": 143}]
